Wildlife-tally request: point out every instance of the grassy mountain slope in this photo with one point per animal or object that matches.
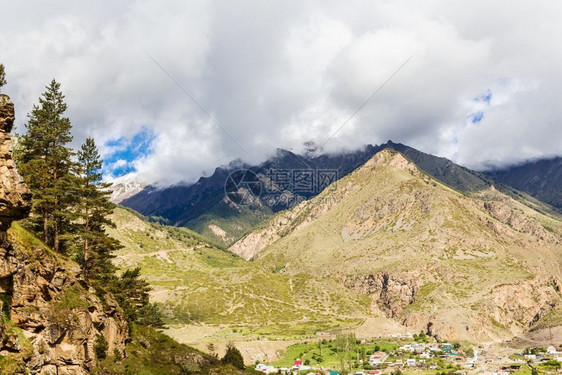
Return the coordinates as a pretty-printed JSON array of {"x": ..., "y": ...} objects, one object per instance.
[
  {"x": 426, "y": 254},
  {"x": 197, "y": 283}
]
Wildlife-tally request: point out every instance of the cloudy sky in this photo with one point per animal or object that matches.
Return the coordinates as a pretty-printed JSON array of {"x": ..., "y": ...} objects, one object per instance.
[{"x": 482, "y": 87}]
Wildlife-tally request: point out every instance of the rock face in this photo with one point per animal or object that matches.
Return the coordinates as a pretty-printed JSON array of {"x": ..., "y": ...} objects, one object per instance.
[
  {"x": 392, "y": 293},
  {"x": 15, "y": 197},
  {"x": 50, "y": 317}
]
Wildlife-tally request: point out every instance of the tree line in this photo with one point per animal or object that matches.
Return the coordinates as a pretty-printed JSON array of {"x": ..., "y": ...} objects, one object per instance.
[{"x": 70, "y": 203}]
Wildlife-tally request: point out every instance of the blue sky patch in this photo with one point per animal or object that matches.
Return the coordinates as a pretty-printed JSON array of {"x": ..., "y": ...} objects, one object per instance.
[
  {"x": 125, "y": 151},
  {"x": 475, "y": 118}
]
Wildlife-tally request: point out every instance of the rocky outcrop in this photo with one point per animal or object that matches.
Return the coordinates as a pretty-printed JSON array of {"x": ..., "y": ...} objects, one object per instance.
[
  {"x": 507, "y": 309},
  {"x": 14, "y": 194},
  {"x": 392, "y": 293},
  {"x": 51, "y": 319},
  {"x": 518, "y": 221},
  {"x": 523, "y": 304}
]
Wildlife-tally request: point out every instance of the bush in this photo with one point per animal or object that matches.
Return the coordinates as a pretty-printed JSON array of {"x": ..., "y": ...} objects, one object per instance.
[
  {"x": 100, "y": 347},
  {"x": 233, "y": 357},
  {"x": 307, "y": 362}
]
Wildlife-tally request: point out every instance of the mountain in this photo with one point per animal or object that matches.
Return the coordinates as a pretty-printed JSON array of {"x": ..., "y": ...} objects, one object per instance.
[
  {"x": 478, "y": 266},
  {"x": 125, "y": 187},
  {"x": 541, "y": 179},
  {"x": 442, "y": 169},
  {"x": 205, "y": 208}
]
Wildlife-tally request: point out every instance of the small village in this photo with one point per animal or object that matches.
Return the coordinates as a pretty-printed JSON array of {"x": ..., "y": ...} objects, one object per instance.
[{"x": 415, "y": 355}]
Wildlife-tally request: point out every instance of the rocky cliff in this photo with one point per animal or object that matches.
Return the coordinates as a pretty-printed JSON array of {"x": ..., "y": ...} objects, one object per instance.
[{"x": 51, "y": 319}]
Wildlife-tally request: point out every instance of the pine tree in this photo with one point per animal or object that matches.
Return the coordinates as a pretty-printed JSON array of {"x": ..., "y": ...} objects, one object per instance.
[
  {"x": 45, "y": 162},
  {"x": 2, "y": 76},
  {"x": 94, "y": 248},
  {"x": 131, "y": 292}
]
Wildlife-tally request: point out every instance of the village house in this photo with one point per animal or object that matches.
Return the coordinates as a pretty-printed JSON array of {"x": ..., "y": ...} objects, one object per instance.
[{"x": 377, "y": 358}]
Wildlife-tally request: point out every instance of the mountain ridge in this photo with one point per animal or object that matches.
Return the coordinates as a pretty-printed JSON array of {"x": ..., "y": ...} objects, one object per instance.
[{"x": 204, "y": 207}]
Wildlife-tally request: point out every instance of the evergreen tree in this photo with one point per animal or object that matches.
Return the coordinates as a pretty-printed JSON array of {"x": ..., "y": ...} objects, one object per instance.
[
  {"x": 45, "y": 163},
  {"x": 94, "y": 248},
  {"x": 233, "y": 357},
  {"x": 131, "y": 292},
  {"x": 2, "y": 76},
  {"x": 151, "y": 316}
]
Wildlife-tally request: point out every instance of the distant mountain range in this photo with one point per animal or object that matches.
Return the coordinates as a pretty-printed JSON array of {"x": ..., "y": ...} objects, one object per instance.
[
  {"x": 541, "y": 179},
  {"x": 288, "y": 179}
]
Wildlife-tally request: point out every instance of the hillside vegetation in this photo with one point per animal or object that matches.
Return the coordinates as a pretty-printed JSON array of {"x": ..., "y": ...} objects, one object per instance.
[{"x": 197, "y": 283}]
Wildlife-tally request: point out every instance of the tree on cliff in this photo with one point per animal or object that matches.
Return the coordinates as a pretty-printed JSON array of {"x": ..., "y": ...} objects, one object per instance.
[
  {"x": 2, "y": 76},
  {"x": 45, "y": 163},
  {"x": 92, "y": 245}
]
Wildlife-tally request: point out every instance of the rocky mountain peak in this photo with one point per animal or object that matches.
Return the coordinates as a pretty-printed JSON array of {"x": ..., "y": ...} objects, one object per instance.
[{"x": 391, "y": 158}]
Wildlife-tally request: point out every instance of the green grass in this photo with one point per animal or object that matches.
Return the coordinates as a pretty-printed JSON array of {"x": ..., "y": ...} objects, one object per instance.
[
  {"x": 234, "y": 222},
  {"x": 72, "y": 299},
  {"x": 196, "y": 282},
  {"x": 148, "y": 351},
  {"x": 327, "y": 350}
]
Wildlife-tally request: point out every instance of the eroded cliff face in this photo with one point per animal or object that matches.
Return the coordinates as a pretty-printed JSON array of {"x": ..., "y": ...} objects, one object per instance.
[
  {"x": 50, "y": 317},
  {"x": 15, "y": 197},
  {"x": 503, "y": 311}
]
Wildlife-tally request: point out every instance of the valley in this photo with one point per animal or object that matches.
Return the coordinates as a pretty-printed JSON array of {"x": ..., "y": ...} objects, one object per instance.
[
  {"x": 297, "y": 188},
  {"x": 385, "y": 251}
]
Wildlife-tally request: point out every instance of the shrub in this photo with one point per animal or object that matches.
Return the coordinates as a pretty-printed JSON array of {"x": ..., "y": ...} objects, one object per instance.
[
  {"x": 117, "y": 355},
  {"x": 100, "y": 347}
]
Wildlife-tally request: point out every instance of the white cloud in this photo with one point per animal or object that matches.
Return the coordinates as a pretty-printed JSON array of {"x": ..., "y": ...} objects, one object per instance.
[{"x": 275, "y": 74}]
